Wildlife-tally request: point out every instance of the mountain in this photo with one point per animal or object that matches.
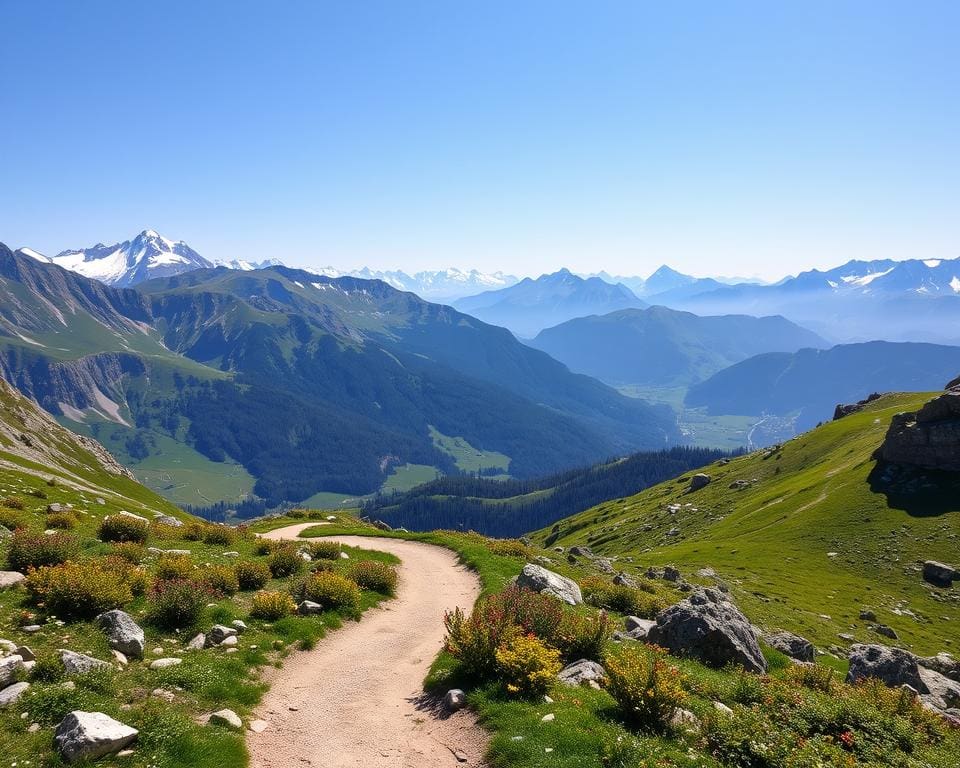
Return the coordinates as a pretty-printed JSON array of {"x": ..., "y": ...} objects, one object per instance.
[
  {"x": 442, "y": 285},
  {"x": 804, "y": 536},
  {"x": 532, "y": 305},
  {"x": 508, "y": 508},
  {"x": 811, "y": 382},
  {"x": 277, "y": 381},
  {"x": 244, "y": 265},
  {"x": 913, "y": 300},
  {"x": 661, "y": 346},
  {"x": 131, "y": 262}
]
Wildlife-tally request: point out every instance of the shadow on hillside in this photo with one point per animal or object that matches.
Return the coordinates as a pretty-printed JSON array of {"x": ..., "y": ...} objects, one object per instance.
[{"x": 918, "y": 492}]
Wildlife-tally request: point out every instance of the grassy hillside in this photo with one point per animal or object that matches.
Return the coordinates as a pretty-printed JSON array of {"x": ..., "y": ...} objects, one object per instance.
[{"x": 806, "y": 544}]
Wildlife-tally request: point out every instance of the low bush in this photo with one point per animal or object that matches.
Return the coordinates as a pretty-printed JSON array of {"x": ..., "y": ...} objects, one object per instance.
[
  {"x": 37, "y": 493},
  {"x": 221, "y": 535},
  {"x": 815, "y": 676},
  {"x": 252, "y": 575},
  {"x": 78, "y": 590},
  {"x": 271, "y": 606},
  {"x": 12, "y": 519},
  {"x": 378, "y": 577},
  {"x": 194, "y": 531},
  {"x": 526, "y": 665},
  {"x": 13, "y": 502},
  {"x": 332, "y": 591},
  {"x": 284, "y": 561},
  {"x": 265, "y": 546},
  {"x": 622, "y": 599},
  {"x": 176, "y": 603},
  {"x": 129, "y": 551},
  {"x": 165, "y": 531},
  {"x": 221, "y": 579},
  {"x": 645, "y": 685},
  {"x": 324, "y": 550},
  {"x": 35, "y": 550},
  {"x": 508, "y": 548},
  {"x": 583, "y": 637},
  {"x": 174, "y": 567},
  {"x": 61, "y": 521},
  {"x": 123, "y": 528}
]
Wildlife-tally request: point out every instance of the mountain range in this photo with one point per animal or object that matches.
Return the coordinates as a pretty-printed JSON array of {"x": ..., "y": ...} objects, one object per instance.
[
  {"x": 532, "y": 305},
  {"x": 665, "y": 347},
  {"x": 301, "y": 383}
]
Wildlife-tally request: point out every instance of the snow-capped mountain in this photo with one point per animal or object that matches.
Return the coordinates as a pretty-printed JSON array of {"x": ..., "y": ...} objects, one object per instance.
[
  {"x": 433, "y": 285},
  {"x": 124, "y": 264},
  {"x": 926, "y": 277},
  {"x": 248, "y": 266}
]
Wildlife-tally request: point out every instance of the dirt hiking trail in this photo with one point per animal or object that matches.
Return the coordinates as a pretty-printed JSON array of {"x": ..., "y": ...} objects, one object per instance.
[{"x": 356, "y": 699}]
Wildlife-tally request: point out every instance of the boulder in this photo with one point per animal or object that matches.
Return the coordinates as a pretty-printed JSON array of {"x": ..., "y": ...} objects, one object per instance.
[
  {"x": 671, "y": 574},
  {"x": 123, "y": 633},
  {"x": 539, "y": 579},
  {"x": 227, "y": 718},
  {"x": 794, "y": 646},
  {"x": 168, "y": 520},
  {"x": 939, "y": 574},
  {"x": 634, "y": 623},
  {"x": 89, "y": 735},
  {"x": 218, "y": 633},
  {"x": 867, "y": 615},
  {"x": 308, "y": 607},
  {"x": 25, "y": 653},
  {"x": 9, "y": 667},
  {"x": 197, "y": 643},
  {"x": 623, "y": 580},
  {"x": 79, "y": 663},
  {"x": 891, "y": 665},
  {"x": 10, "y": 579},
  {"x": 380, "y": 525},
  {"x": 944, "y": 663},
  {"x": 12, "y": 693},
  {"x": 709, "y": 627},
  {"x": 454, "y": 700},
  {"x": 582, "y": 672},
  {"x": 699, "y": 480},
  {"x": 581, "y": 552},
  {"x": 170, "y": 661},
  {"x": 883, "y": 629},
  {"x": 942, "y": 692},
  {"x": 140, "y": 518}
]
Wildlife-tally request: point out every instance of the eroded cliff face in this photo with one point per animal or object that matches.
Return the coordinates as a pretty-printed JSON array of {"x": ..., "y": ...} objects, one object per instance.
[
  {"x": 928, "y": 438},
  {"x": 64, "y": 387}
]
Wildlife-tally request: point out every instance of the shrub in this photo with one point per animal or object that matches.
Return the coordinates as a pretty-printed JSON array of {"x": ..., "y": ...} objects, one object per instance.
[
  {"x": 174, "y": 567},
  {"x": 369, "y": 574},
  {"x": 508, "y": 548},
  {"x": 265, "y": 546},
  {"x": 222, "y": 535},
  {"x": 12, "y": 502},
  {"x": 646, "y": 686},
  {"x": 123, "y": 528},
  {"x": 332, "y": 591},
  {"x": 747, "y": 687},
  {"x": 324, "y": 550},
  {"x": 129, "y": 551},
  {"x": 533, "y": 613},
  {"x": 526, "y": 665},
  {"x": 296, "y": 514},
  {"x": 176, "y": 603},
  {"x": 622, "y": 599},
  {"x": 37, "y": 493},
  {"x": 252, "y": 575},
  {"x": 582, "y": 637},
  {"x": 135, "y": 577},
  {"x": 815, "y": 676},
  {"x": 78, "y": 590},
  {"x": 165, "y": 531},
  {"x": 221, "y": 579},
  {"x": 35, "y": 550},
  {"x": 193, "y": 531},
  {"x": 62, "y": 521},
  {"x": 284, "y": 561},
  {"x": 13, "y": 519},
  {"x": 271, "y": 606}
]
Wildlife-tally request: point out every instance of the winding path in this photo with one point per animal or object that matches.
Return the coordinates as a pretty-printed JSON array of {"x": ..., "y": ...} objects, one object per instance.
[{"x": 357, "y": 698}]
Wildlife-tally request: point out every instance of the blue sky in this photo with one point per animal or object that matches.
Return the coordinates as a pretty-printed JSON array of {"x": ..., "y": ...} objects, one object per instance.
[{"x": 719, "y": 137}]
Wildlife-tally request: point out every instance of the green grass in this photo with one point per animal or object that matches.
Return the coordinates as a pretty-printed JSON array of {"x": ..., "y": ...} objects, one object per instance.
[
  {"x": 467, "y": 457},
  {"x": 770, "y": 542},
  {"x": 401, "y": 478}
]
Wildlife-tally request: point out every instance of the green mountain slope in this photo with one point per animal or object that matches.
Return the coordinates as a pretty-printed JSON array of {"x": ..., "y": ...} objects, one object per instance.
[
  {"x": 663, "y": 347},
  {"x": 811, "y": 382},
  {"x": 805, "y": 544}
]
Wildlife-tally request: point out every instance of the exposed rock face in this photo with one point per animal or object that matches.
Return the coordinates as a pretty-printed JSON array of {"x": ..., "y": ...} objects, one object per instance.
[
  {"x": 89, "y": 735},
  {"x": 123, "y": 633},
  {"x": 939, "y": 574},
  {"x": 929, "y": 438},
  {"x": 891, "y": 665},
  {"x": 582, "y": 672},
  {"x": 698, "y": 481},
  {"x": 845, "y": 410},
  {"x": 709, "y": 627},
  {"x": 541, "y": 580},
  {"x": 794, "y": 646}
]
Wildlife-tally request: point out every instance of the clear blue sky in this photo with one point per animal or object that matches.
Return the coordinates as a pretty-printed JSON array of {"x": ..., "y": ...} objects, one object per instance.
[{"x": 720, "y": 137}]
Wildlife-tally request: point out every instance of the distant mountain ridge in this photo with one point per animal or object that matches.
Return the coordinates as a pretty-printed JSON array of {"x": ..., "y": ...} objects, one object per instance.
[
  {"x": 665, "y": 347},
  {"x": 532, "y": 305}
]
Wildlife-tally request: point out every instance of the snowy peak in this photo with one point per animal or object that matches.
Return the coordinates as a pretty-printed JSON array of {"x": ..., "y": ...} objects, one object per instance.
[
  {"x": 432, "y": 285},
  {"x": 131, "y": 262},
  {"x": 926, "y": 277},
  {"x": 248, "y": 266}
]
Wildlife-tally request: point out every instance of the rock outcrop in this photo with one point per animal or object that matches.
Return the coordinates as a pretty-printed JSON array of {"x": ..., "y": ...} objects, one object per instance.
[
  {"x": 846, "y": 409},
  {"x": 794, "y": 646},
  {"x": 89, "y": 735},
  {"x": 891, "y": 665},
  {"x": 928, "y": 438},
  {"x": 539, "y": 579},
  {"x": 582, "y": 672},
  {"x": 709, "y": 627},
  {"x": 939, "y": 574}
]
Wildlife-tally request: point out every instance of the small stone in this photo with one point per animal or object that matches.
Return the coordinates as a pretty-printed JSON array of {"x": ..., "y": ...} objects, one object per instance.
[
  {"x": 218, "y": 633},
  {"x": 10, "y": 579},
  {"x": 229, "y": 642},
  {"x": 197, "y": 643},
  {"x": 721, "y": 707},
  {"x": 258, "y": 726},
  {"x": 164, "y": 663},
  {"x": 548, "y": 718},
  {"x": 344, "y": 556},
  {"x": 162, "y": 693},
  {"x": 80, "y": 663},
  {"x": 227, "y": 718},
  {"x": 239, "y": 625},
  {"x": 34, "y": 727}
]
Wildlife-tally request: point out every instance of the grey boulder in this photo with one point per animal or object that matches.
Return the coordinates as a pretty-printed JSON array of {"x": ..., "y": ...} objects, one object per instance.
[
  {"x": 9, "y": 667},
  {"x": 123, "y": 633},
  {"x": 218, "y": 633},
  {"x": 891, "y": 665},
  {"x": 79, "y": 663},
  {"x": 10, "y": 579},
  {"x": 792, "y": 645},
  {"x": 582, "y": 672},
  {"x": 707, "y": 626},
  {"x": 698, "y": 481},
  {"x": 539, "y": 579},
  {"x": 12, "y": 693},
  {"x": 89, "y": 735},
  {"x": 939, "y": 574}
]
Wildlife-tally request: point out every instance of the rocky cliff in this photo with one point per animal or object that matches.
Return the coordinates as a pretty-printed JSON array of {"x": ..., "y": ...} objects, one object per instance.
[{"x": 928, "y": 438}]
